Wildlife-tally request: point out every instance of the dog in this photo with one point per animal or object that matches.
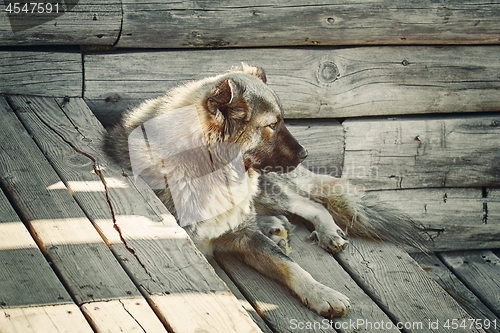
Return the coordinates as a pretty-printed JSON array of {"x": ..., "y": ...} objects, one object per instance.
[{"x": 218, "y": 154}]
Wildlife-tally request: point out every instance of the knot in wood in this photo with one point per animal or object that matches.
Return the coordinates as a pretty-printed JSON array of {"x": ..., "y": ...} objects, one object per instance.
[{"x": 328, "y": 72}]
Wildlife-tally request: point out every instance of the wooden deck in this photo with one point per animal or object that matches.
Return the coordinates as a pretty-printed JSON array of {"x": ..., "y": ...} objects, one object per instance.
[
  {"x": 82, "y": 250},
  {"x": 399, "y": 97}
]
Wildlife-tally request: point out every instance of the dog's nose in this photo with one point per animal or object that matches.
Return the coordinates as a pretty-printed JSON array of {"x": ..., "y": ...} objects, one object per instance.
[{"x": 303, "y": 153}]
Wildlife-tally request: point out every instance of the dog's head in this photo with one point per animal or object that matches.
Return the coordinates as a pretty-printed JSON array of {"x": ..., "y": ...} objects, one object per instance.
[{"x": 242, "y": 109}]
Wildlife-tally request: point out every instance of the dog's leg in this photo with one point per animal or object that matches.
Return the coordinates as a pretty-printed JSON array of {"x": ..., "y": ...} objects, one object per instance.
[
  {"x": 328, "y": 234},
  {"x": 277, "y": 228},
  {"x": 261, "y": 253},
  {"x": 281, "y": 196}
]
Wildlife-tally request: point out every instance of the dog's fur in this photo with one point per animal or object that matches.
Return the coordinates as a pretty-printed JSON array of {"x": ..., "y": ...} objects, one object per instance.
[{"x": 238, "y": 107}]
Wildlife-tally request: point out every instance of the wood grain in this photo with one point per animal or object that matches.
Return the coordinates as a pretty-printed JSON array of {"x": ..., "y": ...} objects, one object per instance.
[
  {"x": 127, "y": 315},
  {"x": 325, "y": 269},
  {"x": 261, "y": 23},
  {"x": 82, "y": 23},
  {"x": 155, "y": 251},
  {"x": 82, "y": 259},
  {"x": 26, "y": 279},
  {"x": 237, "y": 293},
  {"x": 312, "y": 82},
  {"x": 416, "y": 152},
  {"x": 280, "y": 309},
  {"x": 399, "y": 286},
  {"x": 41, "y": 73},
  {"x": 451, "y": 283},
  {"x": 479, "y": 270},
  {"x": 66, "y": 318}
]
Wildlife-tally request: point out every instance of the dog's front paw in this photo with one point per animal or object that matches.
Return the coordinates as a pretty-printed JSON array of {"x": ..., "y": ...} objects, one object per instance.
[
  {"x": 333, "y": 241},
  {"x": 326, "y": 301}
]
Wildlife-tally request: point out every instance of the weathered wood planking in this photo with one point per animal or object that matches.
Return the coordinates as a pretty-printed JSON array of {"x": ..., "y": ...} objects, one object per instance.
[
  {"x": 283, "y": 312},
  {"x": 452, "y": 218},
  {"x": 312, "y": 82},
  {"x": 64, "y": 233},
  {"x": 177, "y": 280},
  {"x": 449, "y": 282},
  {"x": 479, "y": 271},
  {"x": 81, "y": 22},
  {"x": 261, "y": 23},
  {"x": 324, "y": 141},
  {"x": 418, "y": 152},
  {"x": 65, "y": 318},
  {"x": 124, "y": 315},
  {"x": 400, "y": 287},
  {"x": 237, "y": 293},
  {"x": 56, "y": 74},
  {"x": 26, "y": 278}
]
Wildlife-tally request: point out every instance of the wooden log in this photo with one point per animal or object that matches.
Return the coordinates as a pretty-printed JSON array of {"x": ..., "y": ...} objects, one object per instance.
[
  {"x": 452, "y": 218},
  {"x": 78, "y": 253},
  {"x": 400, "y": 287},
  {"x": 26, "y": 279},
  {"x": 176, "y": 279},
  {"x": 450, "y": 282},
  {"x": 65, "y": 318},
  {"x": 231, "y": 24},
  {"x": 312, "y": 83},
  {"x": 479, "y": 271},
  {"x": 55, "y": 74},
  {"x": 421, "y": 152},
  {"x": 82, "y": 22}
]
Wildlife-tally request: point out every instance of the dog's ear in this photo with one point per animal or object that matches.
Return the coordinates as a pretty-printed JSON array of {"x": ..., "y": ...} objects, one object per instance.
[
  {"x": 252, "y": 70},
  {"x": 227, "y": 103}
]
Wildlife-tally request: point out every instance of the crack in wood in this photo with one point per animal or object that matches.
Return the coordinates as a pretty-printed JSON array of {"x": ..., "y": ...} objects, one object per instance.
[
  {"x": 108, "y": 197},
  {"x": 132, "y": 316}
]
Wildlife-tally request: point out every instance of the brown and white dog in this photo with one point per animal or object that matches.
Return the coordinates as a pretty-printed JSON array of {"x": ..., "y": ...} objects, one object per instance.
[{"x": 217, "y": 153}]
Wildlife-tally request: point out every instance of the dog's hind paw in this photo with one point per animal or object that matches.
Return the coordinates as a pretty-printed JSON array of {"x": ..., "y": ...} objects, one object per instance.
[
  {"x": 333, "y": 241},
  {"x": 326, "y": 301}
]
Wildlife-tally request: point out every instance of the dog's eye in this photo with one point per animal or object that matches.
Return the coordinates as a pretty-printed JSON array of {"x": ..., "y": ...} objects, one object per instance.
[{"x": 273, "y": 126}]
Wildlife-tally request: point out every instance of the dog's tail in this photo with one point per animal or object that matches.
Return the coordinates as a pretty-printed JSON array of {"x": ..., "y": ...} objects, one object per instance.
[{"x": 363, "y": 215}]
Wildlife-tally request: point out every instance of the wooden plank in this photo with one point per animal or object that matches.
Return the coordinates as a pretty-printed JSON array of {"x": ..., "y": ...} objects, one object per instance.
[
  {"x": 26, "y": 278},
  {"x": 154, "y": 250},
  {"x": 82, "y": 22},
  {"x": 233, "y": 24},
  {"x": 127, "y": 315},
  {"x": 237, "y": 293},
  {"x": 65, "y": 318},
  {"x": 400, "y": 287},
  {"x": 312, "y": 82},
  {"x": 324, "y": 141},
  {"x": 492, "y": 206},
  {"x": 285, "y": 313},
  {"x": 273, "y": 301},
  {"x": 479, "y": 271},
  {"x": 65, "y": 235},
  {"x": 325, "y": 269},
  {"x": 452, "y": 218},
  {"x": 449, "y": 282},
  {"x": 417, "y": 152},
  {"x": 41, "y": 73}
]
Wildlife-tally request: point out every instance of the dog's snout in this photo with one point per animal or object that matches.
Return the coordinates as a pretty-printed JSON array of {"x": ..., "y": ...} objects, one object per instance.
[{"x": 303, "y": 153}]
